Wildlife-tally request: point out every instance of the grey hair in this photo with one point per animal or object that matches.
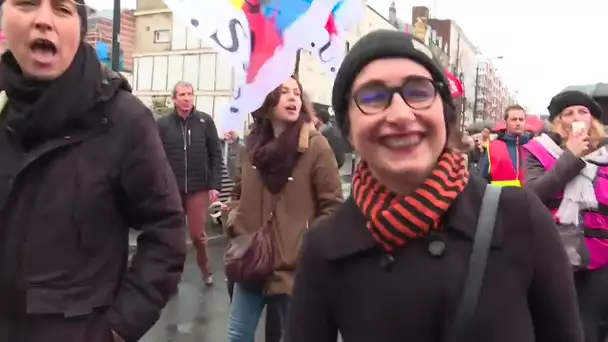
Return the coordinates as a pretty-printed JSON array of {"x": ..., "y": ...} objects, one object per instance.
[{"x": 180, "y": 84}]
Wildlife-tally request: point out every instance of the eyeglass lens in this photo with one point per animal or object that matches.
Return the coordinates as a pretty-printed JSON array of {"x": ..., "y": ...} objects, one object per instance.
[{"x": 417, "y": 92}]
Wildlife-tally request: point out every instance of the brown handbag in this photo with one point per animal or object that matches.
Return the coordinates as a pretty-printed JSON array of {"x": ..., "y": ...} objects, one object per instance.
[{"x": 249, "y": 258}]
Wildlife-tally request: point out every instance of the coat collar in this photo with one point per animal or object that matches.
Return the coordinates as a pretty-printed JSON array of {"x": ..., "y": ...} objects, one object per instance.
[
  {"x": 306, "y": 132},
  {"x": 350, "y": 235}
]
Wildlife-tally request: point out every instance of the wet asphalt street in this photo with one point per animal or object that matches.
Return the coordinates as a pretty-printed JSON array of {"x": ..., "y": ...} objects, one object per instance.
[{"x": 198, "y": 313}]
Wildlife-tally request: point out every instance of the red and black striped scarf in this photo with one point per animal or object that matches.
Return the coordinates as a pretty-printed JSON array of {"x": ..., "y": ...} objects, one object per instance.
[{"x": 394, "y": 220}]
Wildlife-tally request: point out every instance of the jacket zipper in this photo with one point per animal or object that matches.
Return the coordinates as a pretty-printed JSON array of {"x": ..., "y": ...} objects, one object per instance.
[
  {"x": 185, "y": 135},
  {"x": 517, "y": 161}
]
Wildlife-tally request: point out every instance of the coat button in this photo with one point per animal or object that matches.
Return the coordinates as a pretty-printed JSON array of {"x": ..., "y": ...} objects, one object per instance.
[
  {"x": 67, "y": 137},
  {"x": 253, "y": 167},
  {"x": 289, "y": 178},
  {"x": 386, "y": 262},
  {"x": 104, "y": 120},
  {"x": 436, "y": 248}
]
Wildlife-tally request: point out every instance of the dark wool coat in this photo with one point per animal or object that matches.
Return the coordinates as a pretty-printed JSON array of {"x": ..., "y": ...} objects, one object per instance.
[{"x": 528, "y": 293}]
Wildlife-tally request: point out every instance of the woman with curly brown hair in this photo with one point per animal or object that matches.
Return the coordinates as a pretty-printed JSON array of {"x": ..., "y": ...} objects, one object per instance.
[{"x": 288, "y": 172}]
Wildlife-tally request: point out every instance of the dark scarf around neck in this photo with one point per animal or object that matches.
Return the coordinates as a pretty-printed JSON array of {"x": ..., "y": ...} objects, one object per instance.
[
  {"x": 275, "y": 158},
  {"x": 41, "y": 110},
  {"x": 394, "y": 220}
]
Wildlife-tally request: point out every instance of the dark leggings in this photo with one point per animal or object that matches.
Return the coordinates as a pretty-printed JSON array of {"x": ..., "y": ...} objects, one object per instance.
[
  {"x": 273, "y": 319},
  {"x": 592, "y": 292}
]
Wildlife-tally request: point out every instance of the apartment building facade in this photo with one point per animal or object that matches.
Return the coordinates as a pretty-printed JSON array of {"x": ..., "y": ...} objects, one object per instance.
[
  {"x": 493, "y": 95},
  {"x": 463, "y": 63},
  {"x": 486, "y": 94}
]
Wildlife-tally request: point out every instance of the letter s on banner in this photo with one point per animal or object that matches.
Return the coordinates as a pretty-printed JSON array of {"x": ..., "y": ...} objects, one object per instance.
[{"x": 234, "y": 39}]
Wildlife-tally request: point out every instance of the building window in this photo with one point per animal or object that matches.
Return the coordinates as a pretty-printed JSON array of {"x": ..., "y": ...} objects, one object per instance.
[{"x": 162, "y": 36}]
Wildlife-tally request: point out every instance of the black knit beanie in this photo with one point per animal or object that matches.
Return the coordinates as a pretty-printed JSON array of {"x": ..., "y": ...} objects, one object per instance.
[
  {"x": 569, "y": 98},
  {"x": 385, "y": 44}
]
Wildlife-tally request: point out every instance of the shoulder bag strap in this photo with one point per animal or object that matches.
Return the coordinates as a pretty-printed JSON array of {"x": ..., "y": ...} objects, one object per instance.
[
  {"x": 267, "y": 223},
  {"x": 477, "y": 264},
  {"x": 273, "y": 208}
]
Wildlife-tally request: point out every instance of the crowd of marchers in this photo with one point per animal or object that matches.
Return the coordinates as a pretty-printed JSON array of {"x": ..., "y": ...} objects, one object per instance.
[{"x": 428, "y": 247}]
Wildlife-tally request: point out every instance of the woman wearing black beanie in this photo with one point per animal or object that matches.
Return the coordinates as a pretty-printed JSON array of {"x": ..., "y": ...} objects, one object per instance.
[
  {"x": 422, "y": 251},
  {"x": 568, "y": 169}
]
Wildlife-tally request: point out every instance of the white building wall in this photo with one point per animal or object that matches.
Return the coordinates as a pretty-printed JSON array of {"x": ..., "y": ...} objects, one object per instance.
[{"x": 155, "y": 74}]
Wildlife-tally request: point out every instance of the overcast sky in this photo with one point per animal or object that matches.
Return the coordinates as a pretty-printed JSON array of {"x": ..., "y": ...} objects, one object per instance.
[{"x": 547, "y": 45}]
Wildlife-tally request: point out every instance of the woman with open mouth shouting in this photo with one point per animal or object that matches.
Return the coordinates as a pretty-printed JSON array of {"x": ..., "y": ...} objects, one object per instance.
[
  {"x": 422, "y": 251},
  {"x": 288, "y": 180},
  {"x": 81, "y": 162}
]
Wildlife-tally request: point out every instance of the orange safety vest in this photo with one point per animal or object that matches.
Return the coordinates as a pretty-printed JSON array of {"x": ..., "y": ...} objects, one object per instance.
[{"x": 501, "y": 168}]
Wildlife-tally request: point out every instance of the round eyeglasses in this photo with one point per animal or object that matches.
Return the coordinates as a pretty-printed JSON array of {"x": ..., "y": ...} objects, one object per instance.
[{"x": 375, "y": 97}]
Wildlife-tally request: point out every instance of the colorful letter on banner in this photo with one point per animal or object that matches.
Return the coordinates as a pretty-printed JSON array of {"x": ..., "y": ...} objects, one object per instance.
[
  {"x": 220, "y": 25},
  {"x": 261, "y": 38}
]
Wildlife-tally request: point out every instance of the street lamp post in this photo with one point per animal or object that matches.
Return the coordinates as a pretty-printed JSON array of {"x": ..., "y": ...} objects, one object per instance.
[
  {"x": 476, "y": 93},
  {"x": 115, "y": 34},
  {"x": 463, "y": 103}
]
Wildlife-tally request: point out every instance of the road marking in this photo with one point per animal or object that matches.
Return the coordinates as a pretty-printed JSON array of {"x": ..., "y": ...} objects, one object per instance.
[{"x": 210, "y": 238}]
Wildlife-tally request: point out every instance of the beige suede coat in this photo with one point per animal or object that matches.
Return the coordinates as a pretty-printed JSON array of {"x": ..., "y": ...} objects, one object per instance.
[{"x": 313, "y": 191}]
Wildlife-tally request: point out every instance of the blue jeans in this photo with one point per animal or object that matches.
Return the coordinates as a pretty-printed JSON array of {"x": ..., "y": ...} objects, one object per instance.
[{"x": 246, "y": 310}]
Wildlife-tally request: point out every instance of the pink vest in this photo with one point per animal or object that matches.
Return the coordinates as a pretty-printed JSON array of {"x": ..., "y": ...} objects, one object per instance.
[{"x": 595, "y": 224}]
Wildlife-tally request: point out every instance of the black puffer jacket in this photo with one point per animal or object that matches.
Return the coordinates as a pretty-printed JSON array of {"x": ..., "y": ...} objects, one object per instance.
[
  {"x": 194, "y": 150},
  {"x": 66, "y": 207}
]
